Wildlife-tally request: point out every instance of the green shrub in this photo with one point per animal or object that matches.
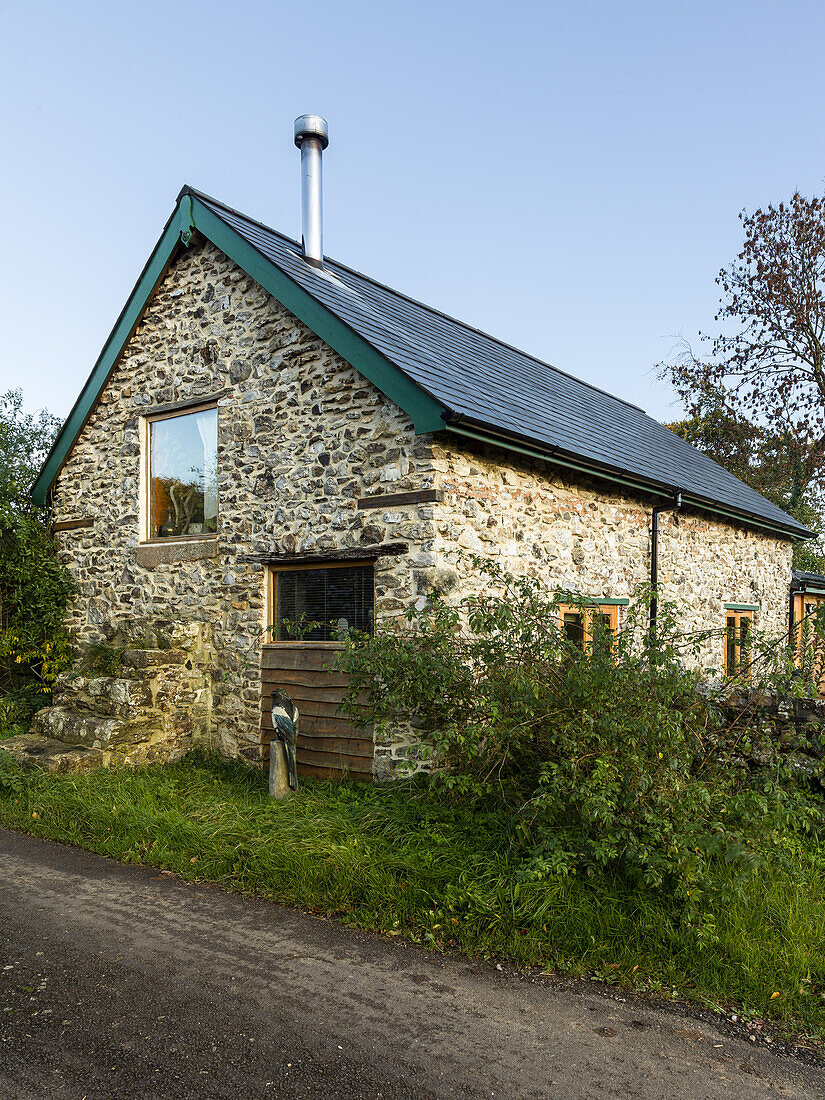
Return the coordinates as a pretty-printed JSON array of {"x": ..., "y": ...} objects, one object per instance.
[
  {"x": 35, "y": 589},
  {"x": 610, "y": 755}
]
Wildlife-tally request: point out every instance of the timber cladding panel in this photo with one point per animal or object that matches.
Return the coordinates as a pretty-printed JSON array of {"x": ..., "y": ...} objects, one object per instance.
[{"x": 328, "y": 744}]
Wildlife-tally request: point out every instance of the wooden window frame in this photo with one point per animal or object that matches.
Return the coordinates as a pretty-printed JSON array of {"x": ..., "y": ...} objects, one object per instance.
[
  {"x": 271, "y": 600},
  {"x": 145, "y": 488},
  {"x": 800, "y": 603},
  {"x": 800, "y": 614},
  {"x": 587, "y": 610},
  {"x": 739, "y": 614}
]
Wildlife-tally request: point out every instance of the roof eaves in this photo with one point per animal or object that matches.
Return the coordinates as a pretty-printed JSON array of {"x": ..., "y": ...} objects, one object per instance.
[{"x": 462, "y": 425}]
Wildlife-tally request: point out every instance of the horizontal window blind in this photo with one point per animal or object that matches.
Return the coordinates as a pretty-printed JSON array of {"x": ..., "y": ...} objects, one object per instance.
[{"x": 324, "y": 602}]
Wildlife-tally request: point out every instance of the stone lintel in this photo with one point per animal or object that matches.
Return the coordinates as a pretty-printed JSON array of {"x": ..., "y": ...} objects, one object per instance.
[{"x": 150, "y": 555}]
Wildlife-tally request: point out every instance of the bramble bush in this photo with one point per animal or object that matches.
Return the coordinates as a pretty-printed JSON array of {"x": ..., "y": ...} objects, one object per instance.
[{"x": 611, "y": 755}]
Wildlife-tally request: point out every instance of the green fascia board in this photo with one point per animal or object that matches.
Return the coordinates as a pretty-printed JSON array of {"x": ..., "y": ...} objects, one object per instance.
[
  {"x": 426, "y": 413},
  {"x": 601, "y": 601},
  {"x": 180, "y": 223},
  {"x": 741, "y": 607}
]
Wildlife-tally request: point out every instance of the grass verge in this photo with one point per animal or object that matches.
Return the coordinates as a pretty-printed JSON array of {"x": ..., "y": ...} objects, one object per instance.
[{"x": 393, "y": 860}]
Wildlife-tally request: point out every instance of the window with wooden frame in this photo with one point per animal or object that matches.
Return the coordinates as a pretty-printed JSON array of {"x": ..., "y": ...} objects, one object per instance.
[
  {"x": 809, "y": 630},
  {"x": 582, "y": 626},
  {"x": 320, "y": 603},
  {"x": 180, "y": 474},
  {"x": 738, "y": 639}
]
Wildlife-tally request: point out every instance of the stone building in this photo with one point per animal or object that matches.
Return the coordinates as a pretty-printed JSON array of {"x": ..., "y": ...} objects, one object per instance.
[{"x": 269, "y": 434}]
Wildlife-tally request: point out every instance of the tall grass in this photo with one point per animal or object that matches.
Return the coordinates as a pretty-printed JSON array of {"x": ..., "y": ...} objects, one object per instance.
[{"x": 395, "y": 860}]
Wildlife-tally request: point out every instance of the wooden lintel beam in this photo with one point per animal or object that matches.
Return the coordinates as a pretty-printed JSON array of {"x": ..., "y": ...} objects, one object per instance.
[
  {"x": 72, "y": 524},
  {"x": 358, "y": 553},
  {"x": 397, "y": 500}
]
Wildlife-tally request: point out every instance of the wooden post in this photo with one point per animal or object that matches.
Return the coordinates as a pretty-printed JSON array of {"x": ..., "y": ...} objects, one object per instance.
[{"x": 278, "y": 774}]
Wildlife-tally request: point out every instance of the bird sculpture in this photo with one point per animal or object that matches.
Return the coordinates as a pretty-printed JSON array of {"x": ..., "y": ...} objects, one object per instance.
[{"x": 285, "y": 725}]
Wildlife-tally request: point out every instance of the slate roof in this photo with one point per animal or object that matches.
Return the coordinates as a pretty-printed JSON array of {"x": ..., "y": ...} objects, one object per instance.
[
  {"x": 801, "y": 579},
  {"x": 498, "y": 387}
]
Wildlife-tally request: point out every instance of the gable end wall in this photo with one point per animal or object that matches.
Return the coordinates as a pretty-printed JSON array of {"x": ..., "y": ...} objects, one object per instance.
[{"x": 301, "y": 435}]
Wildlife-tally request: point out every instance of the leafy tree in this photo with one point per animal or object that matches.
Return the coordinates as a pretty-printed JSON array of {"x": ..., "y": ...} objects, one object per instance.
[
  {"x": 768, "y": 462},
  {"x": 756, "y": 402},
  {"x": 25, "y": 440},
  {"x": 34, "y": 588}
]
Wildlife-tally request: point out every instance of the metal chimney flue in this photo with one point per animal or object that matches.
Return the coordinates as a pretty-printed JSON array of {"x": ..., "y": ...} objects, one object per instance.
[{"x": 312, "y": 137}]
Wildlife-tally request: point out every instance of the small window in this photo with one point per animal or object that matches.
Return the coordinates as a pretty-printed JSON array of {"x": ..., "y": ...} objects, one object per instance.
[
  {"x": 573, "y": 628},
  {"x": 325, "y": 602},
  {"x": 183, "y": 474},
  {"x": 738, "y": 638},
  {"x": 809, "y": 624},
  {"x": 590, "y": 625}
]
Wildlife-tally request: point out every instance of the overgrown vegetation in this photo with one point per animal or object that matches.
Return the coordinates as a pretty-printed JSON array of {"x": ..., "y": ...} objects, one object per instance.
[
  {"x": 605, "y": 752},
  {"x": 34, "y": 588},
  {"x": 100, "y": 659},
  {"x": 402, "y": 860}
]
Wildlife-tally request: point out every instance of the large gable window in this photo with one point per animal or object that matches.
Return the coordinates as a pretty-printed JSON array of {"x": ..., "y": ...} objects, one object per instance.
[
  {"x": 183, "y": 474},
  {"x": 319, "y": 604}
]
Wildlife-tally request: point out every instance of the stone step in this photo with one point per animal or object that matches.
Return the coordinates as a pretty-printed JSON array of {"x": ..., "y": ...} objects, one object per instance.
[
  {"x": 75, "y": 725},
  {"x": 113, "y": 696},
  {"x": 144, "y": 634},
  {"x": 34, "y": 751}
]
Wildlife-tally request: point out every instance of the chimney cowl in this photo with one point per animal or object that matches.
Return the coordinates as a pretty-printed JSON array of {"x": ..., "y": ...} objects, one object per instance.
[{"x": 311, "y": 126}]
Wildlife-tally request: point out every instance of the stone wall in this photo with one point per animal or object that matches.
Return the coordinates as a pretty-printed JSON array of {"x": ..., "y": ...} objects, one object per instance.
[
  {"x": 301, "y": 436},
  {"x": 586, "y": 538}
]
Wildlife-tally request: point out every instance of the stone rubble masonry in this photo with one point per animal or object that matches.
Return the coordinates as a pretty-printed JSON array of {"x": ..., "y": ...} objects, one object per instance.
[
  {"x": 301, "y": 436},
  {"x": 586, "y": 538},
  {"x": 156, "y": 706}
]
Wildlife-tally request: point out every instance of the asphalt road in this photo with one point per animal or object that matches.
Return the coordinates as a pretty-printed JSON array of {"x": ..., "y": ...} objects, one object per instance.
[{"x": 123, "y": 982}]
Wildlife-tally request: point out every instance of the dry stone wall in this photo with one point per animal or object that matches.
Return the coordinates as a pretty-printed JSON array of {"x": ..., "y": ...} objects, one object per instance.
[{"x": 301, "y": 436}]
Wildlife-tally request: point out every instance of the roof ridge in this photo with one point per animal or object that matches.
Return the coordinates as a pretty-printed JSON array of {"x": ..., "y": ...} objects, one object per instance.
[{"x": 186, "y": 190}]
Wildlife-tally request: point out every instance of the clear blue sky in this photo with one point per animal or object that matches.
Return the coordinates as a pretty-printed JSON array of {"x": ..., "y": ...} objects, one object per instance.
[{"x": 566, "y": 176}]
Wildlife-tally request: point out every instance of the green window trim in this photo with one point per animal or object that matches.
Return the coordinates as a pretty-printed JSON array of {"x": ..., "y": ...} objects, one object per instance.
[{"x": 741, "y": 607}]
